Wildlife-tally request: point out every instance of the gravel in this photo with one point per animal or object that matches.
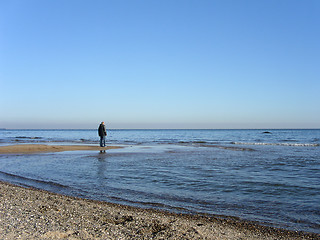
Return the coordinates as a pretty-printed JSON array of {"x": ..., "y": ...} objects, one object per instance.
[{"x": 27, "y": 213}]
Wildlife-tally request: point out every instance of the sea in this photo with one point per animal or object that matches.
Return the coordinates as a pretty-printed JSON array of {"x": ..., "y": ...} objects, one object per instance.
[{"x": 270, "y": 176}]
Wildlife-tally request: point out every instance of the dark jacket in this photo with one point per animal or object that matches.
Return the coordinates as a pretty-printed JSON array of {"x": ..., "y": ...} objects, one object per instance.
[{"x": 102, "y": 130}]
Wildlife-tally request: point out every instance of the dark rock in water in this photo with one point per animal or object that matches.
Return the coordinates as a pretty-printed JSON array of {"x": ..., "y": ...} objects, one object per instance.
[{"x": 267, "y": 132}]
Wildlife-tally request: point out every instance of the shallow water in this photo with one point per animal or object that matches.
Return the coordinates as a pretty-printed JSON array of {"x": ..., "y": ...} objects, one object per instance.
[{"x": 267, "y": 177}]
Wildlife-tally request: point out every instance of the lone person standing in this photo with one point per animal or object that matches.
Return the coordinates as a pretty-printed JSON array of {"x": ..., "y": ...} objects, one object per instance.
[{"x": 102, "y": 133}]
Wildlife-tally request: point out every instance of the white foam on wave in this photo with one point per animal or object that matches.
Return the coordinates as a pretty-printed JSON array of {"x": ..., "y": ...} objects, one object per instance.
[{"x": 280, "y": 144}]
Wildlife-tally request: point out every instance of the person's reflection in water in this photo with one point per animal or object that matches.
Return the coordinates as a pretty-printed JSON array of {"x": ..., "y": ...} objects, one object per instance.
[
  {"x": 102, "y": 167},
  {"x": 102, "y": 154}
]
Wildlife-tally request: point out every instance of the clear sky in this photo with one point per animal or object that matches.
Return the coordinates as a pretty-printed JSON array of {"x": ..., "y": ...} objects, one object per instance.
[{"x": 160, "y": 63}]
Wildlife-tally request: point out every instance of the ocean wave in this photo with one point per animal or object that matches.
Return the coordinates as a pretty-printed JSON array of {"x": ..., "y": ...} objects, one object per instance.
[
  {"x": 23, "y": 137},
  {"x": 196, "y": 142},
  {"x": 213, "y": 145},
  {"x": 279, "y": 144}
]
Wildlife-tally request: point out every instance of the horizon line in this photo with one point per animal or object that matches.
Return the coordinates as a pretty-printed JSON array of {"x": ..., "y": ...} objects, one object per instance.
[{"x": 3, "y": 129}]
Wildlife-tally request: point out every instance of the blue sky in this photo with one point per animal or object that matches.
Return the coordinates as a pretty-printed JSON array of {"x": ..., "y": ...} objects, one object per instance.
[{"x": 160, "y": 64}]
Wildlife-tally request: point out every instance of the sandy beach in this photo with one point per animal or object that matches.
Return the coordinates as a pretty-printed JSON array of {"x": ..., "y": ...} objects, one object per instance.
[
  {"x": 38, "y": 148},
  {"x": 27, "y": 213}
]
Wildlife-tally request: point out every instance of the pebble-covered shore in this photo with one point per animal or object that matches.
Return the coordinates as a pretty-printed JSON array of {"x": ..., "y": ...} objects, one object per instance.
[{"x": 34, "y": 214}]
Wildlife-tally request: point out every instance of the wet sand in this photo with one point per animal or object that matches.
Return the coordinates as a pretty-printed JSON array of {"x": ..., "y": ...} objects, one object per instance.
[
  {"x": 38, "y": 148},
  {"x": 27, "y": 213}
]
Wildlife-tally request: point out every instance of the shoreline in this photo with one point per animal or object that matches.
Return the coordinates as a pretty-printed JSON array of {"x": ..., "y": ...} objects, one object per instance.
[
  {"x": 43, "y": 148},
  {"x": 32, "y": 213}
]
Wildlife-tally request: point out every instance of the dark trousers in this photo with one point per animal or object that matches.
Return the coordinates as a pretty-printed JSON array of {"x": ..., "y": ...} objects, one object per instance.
[{"x": 102, "y": 141}]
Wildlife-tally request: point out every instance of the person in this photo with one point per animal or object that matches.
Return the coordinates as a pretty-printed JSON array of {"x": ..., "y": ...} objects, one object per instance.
[{"x": 102, "y": 134}]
